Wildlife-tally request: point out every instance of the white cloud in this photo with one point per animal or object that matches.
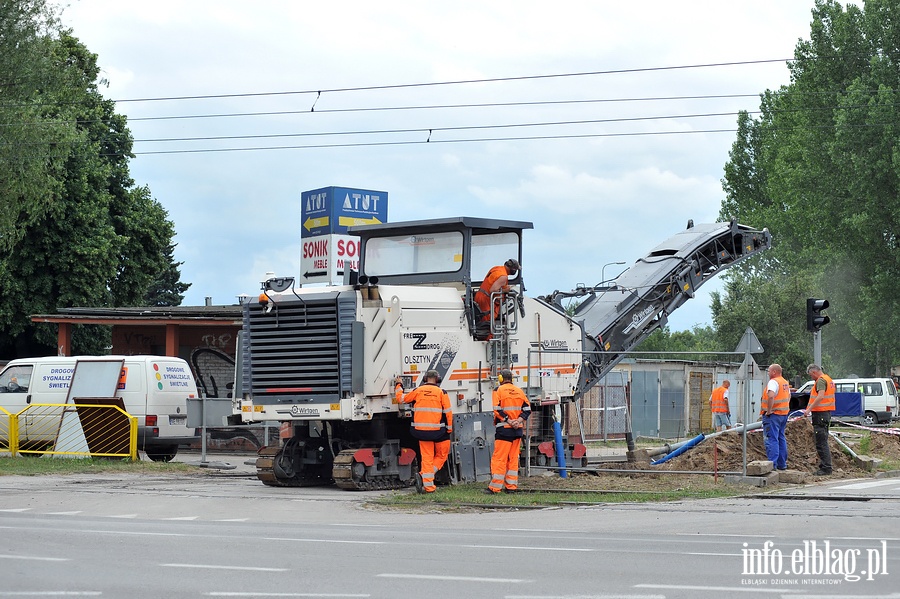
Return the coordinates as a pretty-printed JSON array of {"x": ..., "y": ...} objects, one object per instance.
[{"x": 552, "y": 189}]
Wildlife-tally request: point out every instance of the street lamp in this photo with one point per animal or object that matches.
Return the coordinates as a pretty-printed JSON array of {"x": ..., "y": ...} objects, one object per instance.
[{"x": 603, "y": 270}]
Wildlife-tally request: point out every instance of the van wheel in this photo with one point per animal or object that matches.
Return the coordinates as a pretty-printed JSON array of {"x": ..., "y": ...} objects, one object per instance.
[
  {"x": 162, "y": 457},
  {"x": 869, "y": 419}
]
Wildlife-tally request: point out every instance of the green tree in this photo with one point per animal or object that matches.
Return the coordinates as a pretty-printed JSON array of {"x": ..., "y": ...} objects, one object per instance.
[
  {"x": 167, "y": 289},
  {"x": 103, "y": 243},
  {"x": 33, "y": 142},
  {"x": 820, "y": 167},
  {"x": 775, "y": 308},
  {"x": 699, "y": 339}
]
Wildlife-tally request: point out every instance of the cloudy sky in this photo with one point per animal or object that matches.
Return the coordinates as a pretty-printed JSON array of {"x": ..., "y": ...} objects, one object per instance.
[{"x": 628, "y": 135}]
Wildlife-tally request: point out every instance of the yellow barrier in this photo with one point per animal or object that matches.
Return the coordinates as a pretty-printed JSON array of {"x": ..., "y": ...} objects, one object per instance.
[
  {"x": 8, "y": 436},
  {"x": 75, "y": 430}
]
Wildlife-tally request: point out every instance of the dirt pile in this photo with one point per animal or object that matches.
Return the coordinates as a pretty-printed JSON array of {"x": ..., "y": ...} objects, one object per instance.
[
  {"x": 883, "y": 445},
  {"x": 725, "y": 452}
]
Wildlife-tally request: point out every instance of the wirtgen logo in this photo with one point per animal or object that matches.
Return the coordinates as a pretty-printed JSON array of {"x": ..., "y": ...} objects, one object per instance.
[{"x": 815, "y": 563}]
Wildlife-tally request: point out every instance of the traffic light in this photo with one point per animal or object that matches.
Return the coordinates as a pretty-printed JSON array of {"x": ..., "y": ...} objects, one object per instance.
[{"x": 815, "y": 320}]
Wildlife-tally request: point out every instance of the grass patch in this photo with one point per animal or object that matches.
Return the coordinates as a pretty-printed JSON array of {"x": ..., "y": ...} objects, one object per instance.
[
  {"x": 472, "y": 495},
  {"x": 889, "y": 464},
  {"x": 36, "y": 466},
  {"x": 865, "y": 444}
]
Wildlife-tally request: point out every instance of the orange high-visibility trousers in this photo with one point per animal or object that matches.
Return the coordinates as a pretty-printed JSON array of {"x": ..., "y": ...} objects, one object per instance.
[
  {"x": 505, "y": 465},
  {"x": 434, "y": 456}
]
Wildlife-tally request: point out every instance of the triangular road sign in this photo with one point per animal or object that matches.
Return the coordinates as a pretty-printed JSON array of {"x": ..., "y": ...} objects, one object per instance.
[{"x": 749, "y": 343}]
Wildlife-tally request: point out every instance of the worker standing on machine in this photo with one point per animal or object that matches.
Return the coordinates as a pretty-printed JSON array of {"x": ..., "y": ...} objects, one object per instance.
[
  {"x": 511, "y": 411},
  {"x": 432, "y": 425},
  {"x": 497, "y": 279}
]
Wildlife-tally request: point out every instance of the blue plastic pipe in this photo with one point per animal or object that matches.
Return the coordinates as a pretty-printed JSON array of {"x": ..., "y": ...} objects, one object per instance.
[
  {"x": 560, "y": 450},
  {"x": 680, "y": 450}
]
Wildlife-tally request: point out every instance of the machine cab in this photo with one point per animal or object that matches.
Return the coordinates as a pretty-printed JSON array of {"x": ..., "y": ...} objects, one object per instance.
[{"x": 455, "y": 252}]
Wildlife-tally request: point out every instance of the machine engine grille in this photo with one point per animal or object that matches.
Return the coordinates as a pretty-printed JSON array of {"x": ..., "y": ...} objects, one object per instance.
[{"x": 301, "y": 348}]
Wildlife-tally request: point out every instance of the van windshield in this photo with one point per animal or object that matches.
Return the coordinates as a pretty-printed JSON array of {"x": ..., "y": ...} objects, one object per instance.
[{"x": 15, "y": 379}]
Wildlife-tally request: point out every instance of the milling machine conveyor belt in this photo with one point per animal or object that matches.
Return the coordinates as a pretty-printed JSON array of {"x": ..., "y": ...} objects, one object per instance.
[{"x": 617, "y": 316}]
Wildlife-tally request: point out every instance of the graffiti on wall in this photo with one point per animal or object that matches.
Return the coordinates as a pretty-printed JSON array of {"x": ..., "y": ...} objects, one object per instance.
[
  {"x": 214, "y": 371},
  {"x": 139, "y": 340},
  {"x": 218, "y": 341}
]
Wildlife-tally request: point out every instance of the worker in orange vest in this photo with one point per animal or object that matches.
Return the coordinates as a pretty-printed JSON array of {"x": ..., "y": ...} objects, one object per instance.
[
  {"x": 775, "y": 405},
  {"x": 718, "y": 403},
  {"x": 497, "y": 279},
  {"x": 511, "y": 411},
  {"x": 821, "y": 405},
  {"x": 432, "y": 425}
]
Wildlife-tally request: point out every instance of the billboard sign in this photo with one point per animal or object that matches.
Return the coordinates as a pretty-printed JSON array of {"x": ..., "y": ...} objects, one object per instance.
[
  {"x": 324, "y": 259},
  {"x": 330, "y": 210}
]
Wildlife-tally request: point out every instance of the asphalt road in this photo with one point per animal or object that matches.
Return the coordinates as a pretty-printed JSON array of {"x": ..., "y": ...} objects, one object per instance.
[{"x": 230, "y": 536}]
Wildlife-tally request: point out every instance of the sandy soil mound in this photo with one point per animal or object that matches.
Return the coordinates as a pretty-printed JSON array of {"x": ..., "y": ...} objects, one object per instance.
[{"x": 724, "y": 452}]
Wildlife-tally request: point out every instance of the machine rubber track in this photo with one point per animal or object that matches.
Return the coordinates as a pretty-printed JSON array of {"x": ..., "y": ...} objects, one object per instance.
[
  {"x": 266, "y": 472},
  {"x": 355, "y": 479}
]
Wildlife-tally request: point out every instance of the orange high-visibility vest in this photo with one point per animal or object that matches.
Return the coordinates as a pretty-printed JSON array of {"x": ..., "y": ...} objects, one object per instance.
[
  {"x": 510, "y": 402},
  {"x": 717, "y": 400},
  {"x": 483, "y": 293},
  {"x": 432, "y": 416},
  {"x": 825, "y": 401},
  {"x": 782, "y": 401}
]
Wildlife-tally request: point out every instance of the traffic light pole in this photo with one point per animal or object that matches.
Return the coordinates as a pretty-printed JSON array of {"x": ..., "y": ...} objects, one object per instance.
[
  {"x": 817, "y": 347},
  {"x": 815, "y": 320}
]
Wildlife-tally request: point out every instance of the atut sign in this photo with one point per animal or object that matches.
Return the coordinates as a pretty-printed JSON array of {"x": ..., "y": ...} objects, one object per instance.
[
  {"x": 324, "y": 259},
  {"x": 331, "y": 210}
]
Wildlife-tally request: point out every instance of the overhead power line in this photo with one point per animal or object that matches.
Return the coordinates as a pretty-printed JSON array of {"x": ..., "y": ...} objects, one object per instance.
[
  {"x": 465, "y": 140},
  {"x": 319, "y": 92},
  {"x": 427, "y": 132},
  {"x": 448, "y": 106},
  {"x": 431, "y": 141},
  {"x": 440, "y": 129},
  {"x": 410, "y": 108}
]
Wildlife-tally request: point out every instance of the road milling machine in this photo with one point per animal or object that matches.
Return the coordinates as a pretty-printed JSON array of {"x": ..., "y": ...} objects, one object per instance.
[{"x": 323, "y": 360}]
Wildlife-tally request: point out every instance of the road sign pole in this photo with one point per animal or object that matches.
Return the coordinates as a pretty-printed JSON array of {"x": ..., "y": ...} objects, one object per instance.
[
  {"x": 749, "y": 344},
  {"x": 748, "y": 365}
]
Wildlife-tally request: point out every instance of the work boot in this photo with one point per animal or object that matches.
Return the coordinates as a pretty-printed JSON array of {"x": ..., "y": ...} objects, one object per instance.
[
  {"x": 511, "y": 490},
  {"x": 822, "y": 472},
  {"x": 489, "y": 492},
  {"x": 420, "y": 485}
]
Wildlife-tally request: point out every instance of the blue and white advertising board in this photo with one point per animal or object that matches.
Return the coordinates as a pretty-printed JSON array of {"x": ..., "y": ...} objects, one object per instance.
[
  {"x": 331, "y": 210},
  {"x": 326, "y": 248}
]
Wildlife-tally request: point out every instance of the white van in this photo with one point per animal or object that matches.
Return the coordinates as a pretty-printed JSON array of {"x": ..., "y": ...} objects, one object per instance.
[
  {"x": 155, "y": 389},
  {"x": 879, "y": 397}
]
